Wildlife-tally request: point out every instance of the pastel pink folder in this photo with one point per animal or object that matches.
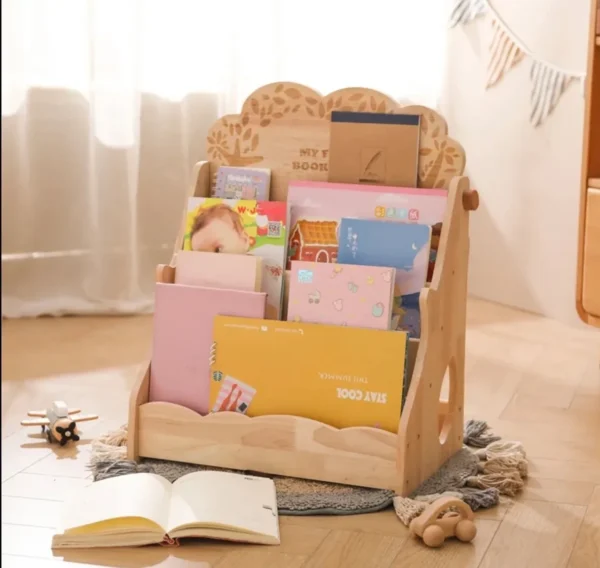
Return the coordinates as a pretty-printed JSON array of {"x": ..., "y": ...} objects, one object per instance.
[
  {"x": 213, "y": 270},
  {"x": 341, "y": 294},
  {"x": 183, "y": 336}
]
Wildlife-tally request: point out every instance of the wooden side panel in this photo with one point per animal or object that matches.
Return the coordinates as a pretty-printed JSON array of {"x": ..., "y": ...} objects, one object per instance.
[
  {"x": 139, "y": 396},
  {"x": 591, "y": 255},
  {"x": 429, "y": 432},
  {"x": 283, "y": 445}
]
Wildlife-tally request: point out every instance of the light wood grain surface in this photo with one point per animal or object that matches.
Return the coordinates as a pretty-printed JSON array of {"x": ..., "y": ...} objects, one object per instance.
[{"x": 535, "y": 380}]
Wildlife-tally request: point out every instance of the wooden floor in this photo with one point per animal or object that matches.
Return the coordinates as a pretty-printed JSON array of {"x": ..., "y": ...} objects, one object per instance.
[{"x": 533, "y": 379}]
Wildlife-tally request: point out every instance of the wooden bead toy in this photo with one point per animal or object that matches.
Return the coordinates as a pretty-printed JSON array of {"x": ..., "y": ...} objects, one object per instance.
[
  {"x": 434, "y": 530},
  {"x": 58, "y": 422}
]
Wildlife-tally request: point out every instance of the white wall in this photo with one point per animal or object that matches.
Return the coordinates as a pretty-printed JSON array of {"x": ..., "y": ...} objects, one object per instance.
[{"x": 524, "y": 235}]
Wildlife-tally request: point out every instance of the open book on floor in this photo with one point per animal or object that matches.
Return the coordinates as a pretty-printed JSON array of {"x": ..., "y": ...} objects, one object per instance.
[{"x": 144, "y": 508}]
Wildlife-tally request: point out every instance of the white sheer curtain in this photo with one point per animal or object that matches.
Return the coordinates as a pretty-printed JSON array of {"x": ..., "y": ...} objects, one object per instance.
[{"x": 106, "y": 103}]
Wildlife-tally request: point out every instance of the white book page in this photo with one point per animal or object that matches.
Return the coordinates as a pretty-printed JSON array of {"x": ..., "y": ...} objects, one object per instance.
[
  {"x": 144, "y": 495},
  {"x": 227, "y": 499}
]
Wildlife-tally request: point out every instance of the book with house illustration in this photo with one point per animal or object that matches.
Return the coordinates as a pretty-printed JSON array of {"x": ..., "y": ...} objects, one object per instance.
[
  {"x": 145, "y": 509},
  {"x": 231, "y": 226},
  {"x": 341, "y": 294},
  {"x": 243, "y": 183},
  {"x": 403, "y": 246},
  {"x": 315, "y": 210},
  {"x": 341, "y": 376}
]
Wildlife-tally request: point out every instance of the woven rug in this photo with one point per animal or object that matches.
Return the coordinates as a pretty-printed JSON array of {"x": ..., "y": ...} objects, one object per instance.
[{"x": 479, "y": 474}]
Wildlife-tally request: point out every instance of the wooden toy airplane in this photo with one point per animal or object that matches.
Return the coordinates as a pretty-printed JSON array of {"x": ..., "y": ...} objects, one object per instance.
[{"x": 58, "y": 422}]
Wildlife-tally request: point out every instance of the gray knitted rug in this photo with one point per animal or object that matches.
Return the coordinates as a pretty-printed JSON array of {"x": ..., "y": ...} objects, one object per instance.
[{"x": 465, "y": 476}]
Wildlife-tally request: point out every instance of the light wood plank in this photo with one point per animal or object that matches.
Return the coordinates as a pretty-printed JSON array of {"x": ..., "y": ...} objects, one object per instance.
[
  {"x": 384, "y": 522},
  {"x": 31, "y": 512},
  {"x": 565, "y": 470},
  {"x": 586, "y": 553},
  {"x": 558, "y": 491},
  {"x": 42, "y": 486},
  {"x": 199, "y": 554},
  {"x": 456, "y": 554},
  {"x": 301, "y": 540},
  {"x": 74, "y": 463},
  {"x": 535, "y": 534},
  {"x": 354, "y": 549},
  {"x": 20, "y": 540},
  {"x": 265, "y": 558},
  {"x": 15, "y": 460},
  {"x": 9, "y": 561}
]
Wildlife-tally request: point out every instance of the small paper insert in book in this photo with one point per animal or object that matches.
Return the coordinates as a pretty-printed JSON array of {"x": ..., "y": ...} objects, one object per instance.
[
  {"x": 240, "y": 226},
  {"x": 341, "y": 294},
  {"x": 315, "y": 210},
  {"x": 341, "y": 376},
  {"x": 402, "y": 246},
  {"x": 183, "y": 325}
]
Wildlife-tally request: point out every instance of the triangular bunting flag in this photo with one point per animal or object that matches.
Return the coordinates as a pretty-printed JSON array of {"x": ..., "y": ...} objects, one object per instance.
[
  {"x": 466, "y": 10},
  {"x": 504, "y": 54},
  {"x": 548, "y": 82},
  {"x": 547, "y": 86}
]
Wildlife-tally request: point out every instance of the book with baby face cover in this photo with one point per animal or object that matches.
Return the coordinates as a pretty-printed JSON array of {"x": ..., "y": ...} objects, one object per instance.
[
  {"x": 341, "y": 376},
  {"x": 230, "y": 226},
  {"x": 341, "y": 294},
  {"x": 143, "y": 509},
  {"x": 183, "y": 324}
]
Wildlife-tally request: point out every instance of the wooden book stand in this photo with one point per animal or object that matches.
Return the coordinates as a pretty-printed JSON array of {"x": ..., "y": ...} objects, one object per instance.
[{"x": 285, "y": 127}]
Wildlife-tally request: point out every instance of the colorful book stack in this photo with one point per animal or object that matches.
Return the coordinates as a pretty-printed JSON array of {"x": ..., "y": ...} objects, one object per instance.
[{"x": 357, "y": 255}]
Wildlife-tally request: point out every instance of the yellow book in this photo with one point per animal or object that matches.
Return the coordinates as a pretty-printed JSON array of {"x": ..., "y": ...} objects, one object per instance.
[{"x": 341, "y": 376}]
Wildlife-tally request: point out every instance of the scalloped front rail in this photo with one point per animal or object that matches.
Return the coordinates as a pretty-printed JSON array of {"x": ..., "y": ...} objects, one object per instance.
[{"x": 280, "y": 445}]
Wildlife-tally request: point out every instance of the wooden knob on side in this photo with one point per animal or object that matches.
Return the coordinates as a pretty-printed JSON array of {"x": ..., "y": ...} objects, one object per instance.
[{"x": 470, "y": 199}]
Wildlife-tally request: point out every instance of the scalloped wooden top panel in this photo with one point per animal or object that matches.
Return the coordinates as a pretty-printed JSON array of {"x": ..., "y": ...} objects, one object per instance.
[{"x": 285, "y": 127}]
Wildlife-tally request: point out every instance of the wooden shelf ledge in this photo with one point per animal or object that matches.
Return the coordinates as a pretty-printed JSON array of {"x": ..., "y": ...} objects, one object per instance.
[{"x": 594, "y": 182}]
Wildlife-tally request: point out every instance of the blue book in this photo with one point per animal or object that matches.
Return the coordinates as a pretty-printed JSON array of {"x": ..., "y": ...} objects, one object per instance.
[{"x": 403, "y": 246}]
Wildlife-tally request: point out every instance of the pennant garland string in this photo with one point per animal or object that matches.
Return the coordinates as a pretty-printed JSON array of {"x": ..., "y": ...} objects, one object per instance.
[{"x": 548, "y": 81}]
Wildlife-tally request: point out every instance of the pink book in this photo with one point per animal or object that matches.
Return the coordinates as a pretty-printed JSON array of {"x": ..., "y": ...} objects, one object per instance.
[
  {"x": 183, "y": 336},
  {"x": 315, "y": 211},
  {"x": 214, "y": 270},
  {"x": 341, "y": 294}
]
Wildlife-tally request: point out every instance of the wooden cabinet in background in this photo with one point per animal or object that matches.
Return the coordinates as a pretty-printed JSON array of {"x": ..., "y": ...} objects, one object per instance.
[{"x": 588, "y": 262}]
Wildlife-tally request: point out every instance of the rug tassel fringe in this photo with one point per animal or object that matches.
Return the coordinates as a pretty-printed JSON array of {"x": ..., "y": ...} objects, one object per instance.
[
  {"x": 507, "y": 483},
  {"x": 476, "y": 434},
  {"x": 110, "y": 447}
]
